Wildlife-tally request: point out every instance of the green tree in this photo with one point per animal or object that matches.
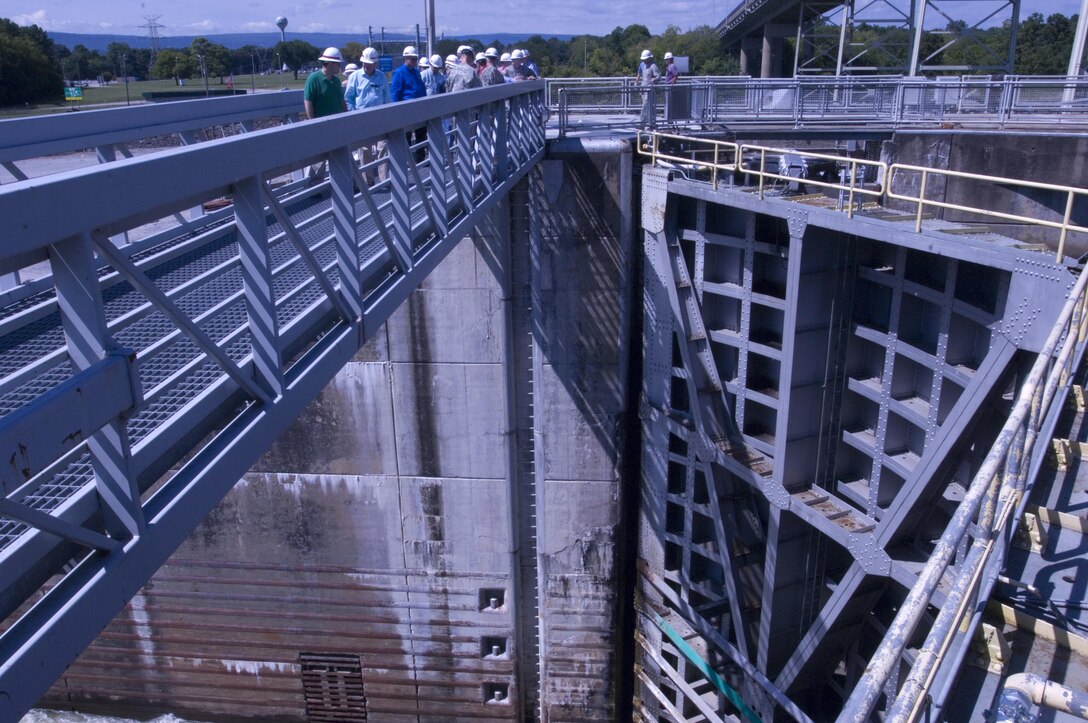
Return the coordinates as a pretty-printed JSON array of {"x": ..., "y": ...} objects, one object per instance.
[
  {"x": 29, "y": 74},
  {"x": 211, "y": 58},
  {"x": 352, "y": 51},
  {"x": 174, "y": 64},
  {"x": 297, "y": 53},
  {"x": 27, "y": 65}
]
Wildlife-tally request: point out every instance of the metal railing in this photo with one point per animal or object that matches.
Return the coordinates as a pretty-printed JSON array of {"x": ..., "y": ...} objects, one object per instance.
[
  {"x": 196, "y": 352},
  {"x": 875, "y": 180},
  {"x": 881, "y": 102},
  {"x": 983, "y": 525},
  {"x": 108, "y": 131}
]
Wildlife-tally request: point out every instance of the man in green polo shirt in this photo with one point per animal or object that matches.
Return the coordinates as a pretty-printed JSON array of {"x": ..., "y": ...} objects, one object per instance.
[{"x": 323, "y": 94}]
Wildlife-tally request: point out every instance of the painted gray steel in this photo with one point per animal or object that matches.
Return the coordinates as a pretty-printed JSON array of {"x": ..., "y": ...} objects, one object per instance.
[{"x": 229, "y": 332}]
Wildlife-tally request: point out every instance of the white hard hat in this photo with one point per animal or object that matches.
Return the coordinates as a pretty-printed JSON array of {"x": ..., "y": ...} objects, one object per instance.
[
  {"x": 525, "y": 52},
  {"x": 370, "y": 55},
  {"x": 505, "y": 58},
  {"x": 518, "y": 54},
  {"x": 331, "y": 55},
  {"x": 491, "y": 53},
  {"x": 646, "y": 55},
  {"x": 410, "y": 52},
  {"x": 436, "y": 61},
  {"x": 481, "y": 58},
  {"x": 350, "y": 68},
  {"x": 465, "y": 49},
  {"x": 424, "y": 62},
  {"x": 668, "y": 56},
  {"x": 451, "y": 59}
]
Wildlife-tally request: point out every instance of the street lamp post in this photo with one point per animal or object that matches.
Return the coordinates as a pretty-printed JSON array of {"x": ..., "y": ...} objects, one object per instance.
[{"x": 124, "y": 74}]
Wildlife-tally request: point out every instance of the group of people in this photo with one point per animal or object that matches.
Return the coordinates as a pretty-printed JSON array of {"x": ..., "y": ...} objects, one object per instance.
[
  {"x": 365, "y": 86},
  {"x": 648, "y": 75}
]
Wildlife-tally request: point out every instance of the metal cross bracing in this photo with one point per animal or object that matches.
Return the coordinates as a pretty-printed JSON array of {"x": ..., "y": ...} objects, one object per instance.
[
  {"x": 874, "y": 36},
  {"x": 862, "y": 371},
  {"x": 146, "y": 380}
]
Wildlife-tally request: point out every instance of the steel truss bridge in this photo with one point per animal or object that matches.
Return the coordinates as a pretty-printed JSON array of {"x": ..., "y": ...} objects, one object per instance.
[
  {"x": 843, "y": 397},
  {"x": 140, "y": 382}
]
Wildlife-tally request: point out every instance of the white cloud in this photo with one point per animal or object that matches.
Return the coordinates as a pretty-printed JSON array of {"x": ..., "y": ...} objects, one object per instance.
[{"x": 37, "y": 17}]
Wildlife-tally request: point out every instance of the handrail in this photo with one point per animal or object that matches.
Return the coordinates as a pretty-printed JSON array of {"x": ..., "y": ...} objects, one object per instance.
[
  {"x": 882, "y": 193},
  {"x": 1065, "y": 225},
  {"x": 886, "y": 102},
  {"x": 22, "y": 138},
  {"x": 233, "y": 332},
  {"x": 1001, "y": 479}
]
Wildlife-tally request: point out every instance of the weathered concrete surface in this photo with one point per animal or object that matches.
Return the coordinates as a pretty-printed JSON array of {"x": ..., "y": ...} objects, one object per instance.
[
  {"x": 584, "y": 281},
  {"x": 384, "y": 524},
  {"x": 1039, "y": 157}
]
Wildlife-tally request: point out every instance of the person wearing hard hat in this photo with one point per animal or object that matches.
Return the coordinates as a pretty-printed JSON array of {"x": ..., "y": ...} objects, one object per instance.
[
  {"x": 406, "y": 83},
  {"x": 506, "y": 65},
  {"x": 323, "y": 95},
  {"x": 480, "y": 63},
  {"x": 671, "y": 72},
  {"x": 427, "y": 75},
  {"x": 369, "y": 88},
  {"x": 438, "y": 67},
  {"x": 533, "y": 68},
  {"x": 348, "y": 70},
  {"x": 462, "y": 76},
  {"x": 648, "y": 75},
  {"x": 491, "y": 74},
  {"x": 522, "y": 71}
]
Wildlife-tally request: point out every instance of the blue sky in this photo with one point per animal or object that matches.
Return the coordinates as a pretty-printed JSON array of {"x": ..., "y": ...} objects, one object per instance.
[{"x": 478, "y": 17}]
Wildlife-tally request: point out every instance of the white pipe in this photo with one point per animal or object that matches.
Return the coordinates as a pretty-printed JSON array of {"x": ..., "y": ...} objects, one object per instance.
[{"x": 1039, "y": 691}]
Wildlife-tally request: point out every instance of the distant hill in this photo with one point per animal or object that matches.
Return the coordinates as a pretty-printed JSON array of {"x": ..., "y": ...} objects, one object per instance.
[{"x": 237, "y": 40}]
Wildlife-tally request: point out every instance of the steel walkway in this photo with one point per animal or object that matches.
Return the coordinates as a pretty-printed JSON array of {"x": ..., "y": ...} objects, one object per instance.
[{"x": 139, "y": 383}]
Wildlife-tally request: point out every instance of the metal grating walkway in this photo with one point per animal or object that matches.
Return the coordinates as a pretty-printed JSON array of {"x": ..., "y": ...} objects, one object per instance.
[{"x": 138, "y": 387}]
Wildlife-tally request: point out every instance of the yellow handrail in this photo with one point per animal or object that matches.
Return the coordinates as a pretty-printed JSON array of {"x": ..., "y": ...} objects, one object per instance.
[
  {"x": 1064, "y": 225},
  {"x": 883, "y": 191}
]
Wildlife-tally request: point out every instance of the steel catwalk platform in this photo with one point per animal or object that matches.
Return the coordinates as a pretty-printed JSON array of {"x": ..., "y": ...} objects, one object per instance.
[{"x": 137, "y": 384}]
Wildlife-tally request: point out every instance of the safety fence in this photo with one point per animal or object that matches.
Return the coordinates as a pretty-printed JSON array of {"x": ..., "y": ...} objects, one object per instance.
[
  {"x": 853, "y": 180},
  {"x": 879, "y": 101},
  {"x": 143, "y": 381}
]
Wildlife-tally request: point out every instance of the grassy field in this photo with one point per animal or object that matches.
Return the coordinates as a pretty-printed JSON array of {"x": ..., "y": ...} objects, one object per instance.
[{"x": 116, "y": 93}]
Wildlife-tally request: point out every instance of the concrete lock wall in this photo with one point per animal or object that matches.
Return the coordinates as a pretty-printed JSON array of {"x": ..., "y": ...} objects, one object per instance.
[{"x": 380, "y": 556}]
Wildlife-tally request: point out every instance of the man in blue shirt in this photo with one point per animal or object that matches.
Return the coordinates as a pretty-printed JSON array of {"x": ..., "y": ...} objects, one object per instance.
[
  {"x": 408, "y": 85},
  {"x": 369, "y": 88}
]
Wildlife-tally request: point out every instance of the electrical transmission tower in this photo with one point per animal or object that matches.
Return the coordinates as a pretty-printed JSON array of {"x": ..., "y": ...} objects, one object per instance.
[{"x": 153, "y": 27}]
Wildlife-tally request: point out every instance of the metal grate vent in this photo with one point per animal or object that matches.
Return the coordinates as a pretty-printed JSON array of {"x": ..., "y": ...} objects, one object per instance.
[{"x": 333, "y": 686}]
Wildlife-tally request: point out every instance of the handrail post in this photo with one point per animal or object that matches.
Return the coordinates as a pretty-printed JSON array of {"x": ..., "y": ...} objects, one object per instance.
[
  {"x": 921, "y": 201},
  {"x": 714, "y": 170},
  {"x": 1065, "y": 226}
]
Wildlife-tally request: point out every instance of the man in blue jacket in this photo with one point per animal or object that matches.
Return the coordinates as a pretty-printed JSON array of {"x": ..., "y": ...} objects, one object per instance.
[
  {"x": 406, "y": 85},
  {"x": 407, "y": 82}
]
